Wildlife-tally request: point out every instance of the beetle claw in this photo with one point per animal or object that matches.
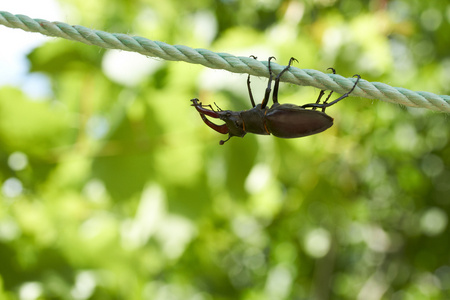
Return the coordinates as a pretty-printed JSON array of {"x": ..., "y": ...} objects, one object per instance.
[{"x": 292, "y": 60}]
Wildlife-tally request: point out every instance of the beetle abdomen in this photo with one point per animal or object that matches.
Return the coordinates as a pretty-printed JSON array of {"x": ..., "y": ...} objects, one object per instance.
[{"x": 291, "y": 121}]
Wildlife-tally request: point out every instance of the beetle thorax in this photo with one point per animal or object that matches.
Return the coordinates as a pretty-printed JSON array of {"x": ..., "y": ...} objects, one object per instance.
[{"x": 254, "y": 120}]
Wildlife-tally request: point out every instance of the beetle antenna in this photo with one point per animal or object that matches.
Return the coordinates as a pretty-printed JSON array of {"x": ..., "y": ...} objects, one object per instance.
[
  {"x": 208, "y": 105},
  {"x": 217, "y": 106}
]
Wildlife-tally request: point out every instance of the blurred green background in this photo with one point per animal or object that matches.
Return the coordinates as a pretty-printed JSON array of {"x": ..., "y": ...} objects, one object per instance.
[{"x": 114, "y": 188}]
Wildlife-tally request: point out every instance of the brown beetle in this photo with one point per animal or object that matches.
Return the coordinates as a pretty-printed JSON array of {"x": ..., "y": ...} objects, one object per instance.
[{"x": 281, "y": 120}]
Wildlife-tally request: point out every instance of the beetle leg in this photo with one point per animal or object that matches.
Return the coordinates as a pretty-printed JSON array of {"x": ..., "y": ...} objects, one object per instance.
[
  {"x": 249, "y": 88},
  {"x": 250, "y": 91},
  {"x": 277, "y": 80},
  {"x": 326, "y": 100},
  {"x": 269, "y": 86},
  {"x": 325, "y": 105},
  {"x": 322, "y": 92},
  {"x": 329, "y": 95},
  {"x": 345, "y": 95}
]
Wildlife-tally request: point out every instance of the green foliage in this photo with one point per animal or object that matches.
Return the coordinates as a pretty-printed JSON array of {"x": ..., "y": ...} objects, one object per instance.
[{"x": 120, "y": 191}]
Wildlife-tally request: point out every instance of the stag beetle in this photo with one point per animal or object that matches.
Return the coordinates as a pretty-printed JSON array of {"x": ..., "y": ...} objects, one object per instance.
[{"x": 281, "y": 120}]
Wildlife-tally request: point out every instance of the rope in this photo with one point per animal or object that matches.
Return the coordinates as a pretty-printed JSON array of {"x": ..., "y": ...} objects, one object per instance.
[{"x": 231, "y": 63}]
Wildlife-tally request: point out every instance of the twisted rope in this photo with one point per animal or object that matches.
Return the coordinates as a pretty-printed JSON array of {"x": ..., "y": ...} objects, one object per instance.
[{"x": 235, "y": 64}]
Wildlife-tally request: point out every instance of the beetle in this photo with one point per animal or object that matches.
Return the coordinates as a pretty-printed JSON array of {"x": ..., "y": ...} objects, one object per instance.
[{"x": 281, "y": 120}]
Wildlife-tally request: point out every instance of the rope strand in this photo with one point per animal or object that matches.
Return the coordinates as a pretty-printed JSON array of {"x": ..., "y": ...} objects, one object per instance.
[{"x": 225, "y": 61}]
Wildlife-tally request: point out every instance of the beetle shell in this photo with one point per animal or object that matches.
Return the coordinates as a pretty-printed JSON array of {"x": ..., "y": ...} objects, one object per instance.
[{"x": 292, "y": 121}]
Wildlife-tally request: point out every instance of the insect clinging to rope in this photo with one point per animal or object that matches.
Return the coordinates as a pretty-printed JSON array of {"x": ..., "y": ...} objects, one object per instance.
[{"x": 281, "y": 120}]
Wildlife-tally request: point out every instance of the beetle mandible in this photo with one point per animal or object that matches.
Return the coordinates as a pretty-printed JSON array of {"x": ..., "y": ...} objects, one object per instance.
[{"x": 281, "y": 120}]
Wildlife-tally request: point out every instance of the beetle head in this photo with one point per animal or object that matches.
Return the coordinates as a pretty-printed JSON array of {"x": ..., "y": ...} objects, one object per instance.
[{"x": 234, "y": 124}]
